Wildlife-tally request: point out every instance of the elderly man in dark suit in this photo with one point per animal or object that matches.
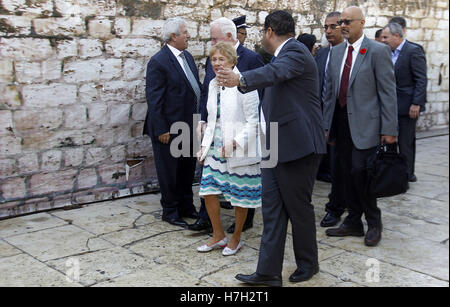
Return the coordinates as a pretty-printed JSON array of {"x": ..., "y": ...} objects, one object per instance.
[
  {"x": 411, "y": 78},
  {"x": 360, "y": 112},
  {"x": 224, "y": 30},
  {"x": 291, "y": 99},
  {"x": 173, "y": 96},
  {"x": 336, "y": 205}
]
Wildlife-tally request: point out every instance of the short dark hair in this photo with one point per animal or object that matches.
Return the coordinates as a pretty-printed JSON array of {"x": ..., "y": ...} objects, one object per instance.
[
  {"x": 281, "y": 22},
  {"x": 308, "y": 40},
  {"x": 334, "y": 14},
  {"x": 399, "y": 20},
  {"x": 378, "y": 33}
]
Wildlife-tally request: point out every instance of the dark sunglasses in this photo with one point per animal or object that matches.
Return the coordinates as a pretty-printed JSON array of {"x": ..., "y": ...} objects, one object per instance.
[
  {"x": 332, "y": 27},
  {"x": 346, "y": 22}
]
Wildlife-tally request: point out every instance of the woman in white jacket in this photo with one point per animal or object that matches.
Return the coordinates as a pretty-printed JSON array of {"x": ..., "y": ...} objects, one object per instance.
[{"x": 231, "y": 153}]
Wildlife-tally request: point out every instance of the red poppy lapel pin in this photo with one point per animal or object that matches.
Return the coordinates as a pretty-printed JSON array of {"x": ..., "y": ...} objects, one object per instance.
[{"x": 363, "y": 51}]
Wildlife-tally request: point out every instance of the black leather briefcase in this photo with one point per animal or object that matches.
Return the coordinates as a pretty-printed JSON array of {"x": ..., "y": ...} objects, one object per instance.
[{"x": 387, "y": 173}]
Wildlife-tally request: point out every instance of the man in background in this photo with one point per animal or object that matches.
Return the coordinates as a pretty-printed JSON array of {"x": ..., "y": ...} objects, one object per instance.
[
  {"x": 173, "y": 95},
  {"x": 411, "y": 79},
  {"x": 329, "y": 170}
]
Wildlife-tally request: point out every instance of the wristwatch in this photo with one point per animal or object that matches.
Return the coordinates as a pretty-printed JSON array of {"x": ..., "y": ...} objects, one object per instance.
[{"x": 242, "y": 83}]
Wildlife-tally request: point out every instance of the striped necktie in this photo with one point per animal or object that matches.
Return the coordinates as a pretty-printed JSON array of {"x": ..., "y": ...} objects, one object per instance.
[{"x": 192, "y": 80}]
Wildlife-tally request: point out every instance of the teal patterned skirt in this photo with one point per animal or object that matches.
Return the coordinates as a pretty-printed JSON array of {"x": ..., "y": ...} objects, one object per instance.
[{"x": 241, "y": 186}]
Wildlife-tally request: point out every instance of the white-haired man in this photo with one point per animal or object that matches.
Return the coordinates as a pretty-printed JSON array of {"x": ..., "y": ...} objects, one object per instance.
[
  {"x": 173, "y": 95},
  {"x": 224, "y": 30}
]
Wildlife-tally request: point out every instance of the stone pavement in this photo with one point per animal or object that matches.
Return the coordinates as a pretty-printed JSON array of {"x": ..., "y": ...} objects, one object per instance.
[{"x": 125, "y": 243}]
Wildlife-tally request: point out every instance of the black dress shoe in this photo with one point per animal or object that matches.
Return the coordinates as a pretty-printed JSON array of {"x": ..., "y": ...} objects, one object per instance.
[
  {"x": 324, "y": 177},
  {"x": 176, "y": 221},
  {"x": 257, "y": 279},
  {"x": 200, "y": 224},
  {"x": 373, "y": 236},
  {"x": 413, "y": 178},
  {"x": 246, "y": 226},
  {"x": 303, "y": 275},
  {"x": 345, "y": 231},
  {"x": 193, "y": 215},
  {"x": 330, "y": 220}
]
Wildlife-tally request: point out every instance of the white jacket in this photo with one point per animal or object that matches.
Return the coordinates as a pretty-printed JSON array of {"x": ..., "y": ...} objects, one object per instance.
[{"x": 239, "y": 122}]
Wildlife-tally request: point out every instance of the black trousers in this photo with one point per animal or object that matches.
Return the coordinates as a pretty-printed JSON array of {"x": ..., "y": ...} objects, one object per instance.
[
  {"x": 407, "y": 141},
  {"x": 336, "y": 204},
  {"x": 175, "y": 177},
  {"x": 286, "y": 196},
  {"x": 353, "y": 162}
]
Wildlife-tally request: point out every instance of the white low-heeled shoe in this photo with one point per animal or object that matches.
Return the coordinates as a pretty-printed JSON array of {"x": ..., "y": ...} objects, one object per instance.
[
  {"x": 205, "y": 248},
  {"x": 228, "y": 251}
]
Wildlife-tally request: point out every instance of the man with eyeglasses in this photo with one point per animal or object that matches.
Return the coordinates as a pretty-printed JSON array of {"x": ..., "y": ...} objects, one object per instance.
[
  {"x": 291, "y": 99},
  {"x": 329, "y": 170},
  {"x": 360, "y": 112}
]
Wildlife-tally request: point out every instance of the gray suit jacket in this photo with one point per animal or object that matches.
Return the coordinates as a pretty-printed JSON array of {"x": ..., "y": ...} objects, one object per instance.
[
  {"x": 371, "y": 96},
  {"x": 291, "y": 99}
]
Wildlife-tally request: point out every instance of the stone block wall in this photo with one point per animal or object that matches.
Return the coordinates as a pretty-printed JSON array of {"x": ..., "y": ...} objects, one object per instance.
[{"x": 72, "y": 85}]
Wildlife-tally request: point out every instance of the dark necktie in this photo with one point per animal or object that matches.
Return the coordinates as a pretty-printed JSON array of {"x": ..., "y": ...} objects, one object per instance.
[{"x": 345, "y": 78}]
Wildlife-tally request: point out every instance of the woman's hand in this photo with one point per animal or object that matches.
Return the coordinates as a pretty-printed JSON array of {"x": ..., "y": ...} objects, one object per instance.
[
  {"x": 200, "y": 155},
  {"x": 227, "y": 150}
]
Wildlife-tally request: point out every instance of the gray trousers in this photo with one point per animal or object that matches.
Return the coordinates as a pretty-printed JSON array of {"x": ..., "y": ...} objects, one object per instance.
[{"x": 286, "y": 195}]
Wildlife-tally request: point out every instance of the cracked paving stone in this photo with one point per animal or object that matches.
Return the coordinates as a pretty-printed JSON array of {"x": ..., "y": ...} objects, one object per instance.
[
  {"x": 94, "y": 268},
  {"x": 25, "y": 271},
  {"x": 58, "y": 242},
  {"x": 356, "y": 268}
]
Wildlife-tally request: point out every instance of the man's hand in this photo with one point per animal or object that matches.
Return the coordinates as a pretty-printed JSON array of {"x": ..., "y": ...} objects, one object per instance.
[
  {"x": 326, "y": 138},
  {"x": 414, "y": 111},
  {"x": 388, "y": 139},
  {"x": 227, "y": 78},
  {"x": 164, "y": 138}
]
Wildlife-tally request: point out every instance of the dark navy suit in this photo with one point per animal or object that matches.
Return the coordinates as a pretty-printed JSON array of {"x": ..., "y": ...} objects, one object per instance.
[
  {"x": 247, "y": 60},
  {"x": 291, "y": 99},
  {"x": 411, "y": 80},
  {"x": 171, "y": 99},
  {"x": 336, "y": 204}
]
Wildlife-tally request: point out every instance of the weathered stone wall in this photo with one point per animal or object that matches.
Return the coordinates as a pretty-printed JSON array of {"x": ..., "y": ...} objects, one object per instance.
[{"x": 72, "y": 85}]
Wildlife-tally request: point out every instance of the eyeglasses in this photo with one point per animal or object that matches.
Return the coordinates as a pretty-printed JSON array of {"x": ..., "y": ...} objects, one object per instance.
[
  {"x": 332, "y": 27},
  {"x": 242, "y": 33},
  {"x": 346, "y": 22}
]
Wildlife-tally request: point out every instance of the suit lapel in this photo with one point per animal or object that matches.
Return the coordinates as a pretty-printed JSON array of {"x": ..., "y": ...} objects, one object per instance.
[
  {"x": 337, "y": 63},
  {"x": 176, "y": 64},
  {"x": 359, "y": 60},
  {"x": 401, "y": 56}
]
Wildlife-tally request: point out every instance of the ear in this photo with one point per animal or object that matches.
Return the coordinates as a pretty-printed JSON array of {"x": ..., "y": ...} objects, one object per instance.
[{"x": 173, "y": 37}]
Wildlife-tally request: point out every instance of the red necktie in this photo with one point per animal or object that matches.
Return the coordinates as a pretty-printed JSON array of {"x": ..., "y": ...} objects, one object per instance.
[{"x": 345, "y": 78}]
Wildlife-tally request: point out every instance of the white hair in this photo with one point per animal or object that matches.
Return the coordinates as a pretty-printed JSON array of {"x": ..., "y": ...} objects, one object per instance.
[
  {"x": 172, "y": 26},
  {"x": 226, "y": 25}
]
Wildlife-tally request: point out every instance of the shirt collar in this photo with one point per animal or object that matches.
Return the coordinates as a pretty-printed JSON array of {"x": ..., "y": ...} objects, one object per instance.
[
  {"x": 281, "y": 47},
  {"x": 356, "y": 45},
  {"x": 400, "y": 47},
  {"x": 237, "y": 45},
  {"x": 175, "y": 51}
]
